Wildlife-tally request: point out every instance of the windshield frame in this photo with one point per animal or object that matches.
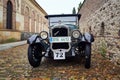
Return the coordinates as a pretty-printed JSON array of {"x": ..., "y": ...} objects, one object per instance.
[{"x": 63, "y": 19}]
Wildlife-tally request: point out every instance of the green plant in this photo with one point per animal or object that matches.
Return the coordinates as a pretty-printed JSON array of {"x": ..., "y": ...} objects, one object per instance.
[
  {"x": 10, "y": 40},
  {"x": 103, "y": 49}
]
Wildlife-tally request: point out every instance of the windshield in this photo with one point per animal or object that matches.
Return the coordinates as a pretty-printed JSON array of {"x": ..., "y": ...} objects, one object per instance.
[{"x": 63, "y": 20}]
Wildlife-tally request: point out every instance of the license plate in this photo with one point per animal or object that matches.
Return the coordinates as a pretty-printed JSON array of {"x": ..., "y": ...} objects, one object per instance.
[
  {"x": 59, "y": 55},
  {"x": 60, "y": 39}
]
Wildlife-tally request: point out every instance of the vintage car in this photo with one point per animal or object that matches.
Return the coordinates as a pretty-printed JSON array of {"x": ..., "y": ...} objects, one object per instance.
[{"x": 62, "y": 41}]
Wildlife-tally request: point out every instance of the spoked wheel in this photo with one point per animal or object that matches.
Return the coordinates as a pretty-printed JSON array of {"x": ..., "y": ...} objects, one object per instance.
[
  {"x": 87, "y": 55},
  {"x": 34, "y": 55}
]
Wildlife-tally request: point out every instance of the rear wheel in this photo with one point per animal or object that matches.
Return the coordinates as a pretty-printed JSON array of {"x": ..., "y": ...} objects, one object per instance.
[
  {"x": 87, "y": 55},
  {"x": 34, "y": 55}
]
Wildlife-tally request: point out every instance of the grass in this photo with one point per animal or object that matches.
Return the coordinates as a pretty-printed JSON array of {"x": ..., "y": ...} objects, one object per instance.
[
  {"x": 103, "y": 49},
  {"x": 9, "y": 40}
]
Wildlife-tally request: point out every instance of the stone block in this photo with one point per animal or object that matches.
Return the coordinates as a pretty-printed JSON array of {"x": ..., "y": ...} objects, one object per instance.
[{"x": 7, "y": 34}]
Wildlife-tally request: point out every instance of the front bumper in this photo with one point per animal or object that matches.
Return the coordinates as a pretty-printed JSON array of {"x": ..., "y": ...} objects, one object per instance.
[{"x": 61, "y": 54}]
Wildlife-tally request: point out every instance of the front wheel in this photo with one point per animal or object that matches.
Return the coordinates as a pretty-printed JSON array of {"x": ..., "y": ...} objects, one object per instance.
[
  {"x": 34, "y": 55},
  {"x": 87, "y": 55}
]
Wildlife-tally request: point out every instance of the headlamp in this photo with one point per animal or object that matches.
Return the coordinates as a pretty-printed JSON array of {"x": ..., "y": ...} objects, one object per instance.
[
  {"x": 76, "y": 34},
  {"x": 44, "y": 35}
]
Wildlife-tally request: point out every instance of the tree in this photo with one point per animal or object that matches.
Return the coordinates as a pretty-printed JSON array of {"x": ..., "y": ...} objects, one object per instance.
[
  {"x": 74, "y": 10},
  {"x": 79, "y": 6}
]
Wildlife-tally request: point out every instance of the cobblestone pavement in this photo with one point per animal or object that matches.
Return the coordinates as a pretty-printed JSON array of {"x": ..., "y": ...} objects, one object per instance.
[{"x": 14, "y": 66}]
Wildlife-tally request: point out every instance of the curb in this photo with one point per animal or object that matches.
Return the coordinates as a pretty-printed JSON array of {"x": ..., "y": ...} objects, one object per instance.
[{"x": 11, "y": 45}]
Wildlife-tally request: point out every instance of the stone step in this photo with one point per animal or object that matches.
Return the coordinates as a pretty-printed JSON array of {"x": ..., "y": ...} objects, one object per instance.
[{"x": 10, "y": 45}]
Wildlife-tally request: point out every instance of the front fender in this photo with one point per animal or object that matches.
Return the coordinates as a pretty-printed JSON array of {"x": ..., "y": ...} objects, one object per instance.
[
  {"x": 87, "y": 37},
  {"x": 35, "y": 39}
]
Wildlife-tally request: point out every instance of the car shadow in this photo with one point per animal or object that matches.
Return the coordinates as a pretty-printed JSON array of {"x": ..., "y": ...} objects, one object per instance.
[{"x": 67, "y": 62}]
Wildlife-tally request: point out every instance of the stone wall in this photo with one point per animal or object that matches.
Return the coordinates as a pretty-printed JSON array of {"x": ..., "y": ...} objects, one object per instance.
[
  {"x": 88, "y": 8},
  {"x": 8, "y": 34},
  {"x": 104, "y": 24}
]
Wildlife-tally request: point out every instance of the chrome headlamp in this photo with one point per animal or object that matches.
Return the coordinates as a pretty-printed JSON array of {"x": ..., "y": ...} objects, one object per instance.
[
  {"x": 76, "y": 34},
  {"x": 44, "y": 35}
]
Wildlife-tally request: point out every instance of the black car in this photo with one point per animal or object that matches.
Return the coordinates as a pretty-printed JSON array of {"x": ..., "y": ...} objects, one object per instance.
[{"x": 62, "y": 41}]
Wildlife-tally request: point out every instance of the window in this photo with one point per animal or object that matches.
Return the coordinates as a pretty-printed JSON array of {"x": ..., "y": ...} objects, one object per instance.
[
  {"x": 102, "y": 29},
  {"x": 119, "y": 33},
  {"x": 90, "y": 29},
  {"x": 9, "y": 15}
]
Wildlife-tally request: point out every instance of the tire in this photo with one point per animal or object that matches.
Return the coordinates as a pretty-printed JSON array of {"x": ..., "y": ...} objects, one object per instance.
[
  {"x": 88, "y": 55},
  {"x": 34, "y": 55}
]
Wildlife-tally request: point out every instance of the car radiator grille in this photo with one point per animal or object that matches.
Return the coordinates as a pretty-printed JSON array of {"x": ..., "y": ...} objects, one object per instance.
[{"x": 60, "y": 32}]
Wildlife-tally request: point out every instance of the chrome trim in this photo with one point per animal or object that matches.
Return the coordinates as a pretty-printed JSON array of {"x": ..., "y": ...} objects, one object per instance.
[
  {"x": 66, "y": 50},
  {"x": 43, "y": 32}
]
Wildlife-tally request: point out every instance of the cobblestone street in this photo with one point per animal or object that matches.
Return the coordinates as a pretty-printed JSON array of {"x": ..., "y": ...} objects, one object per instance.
[{"x": 14, "y": 66}]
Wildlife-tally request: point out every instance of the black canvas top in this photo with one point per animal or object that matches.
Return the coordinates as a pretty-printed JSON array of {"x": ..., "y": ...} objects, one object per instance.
[{"x": 63, "y": 15}]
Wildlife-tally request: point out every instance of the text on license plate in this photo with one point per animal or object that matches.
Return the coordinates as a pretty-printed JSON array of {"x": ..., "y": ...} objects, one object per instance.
[
  {"x": 60, "y": 39},
  {"x": 59, "y": 55}
]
